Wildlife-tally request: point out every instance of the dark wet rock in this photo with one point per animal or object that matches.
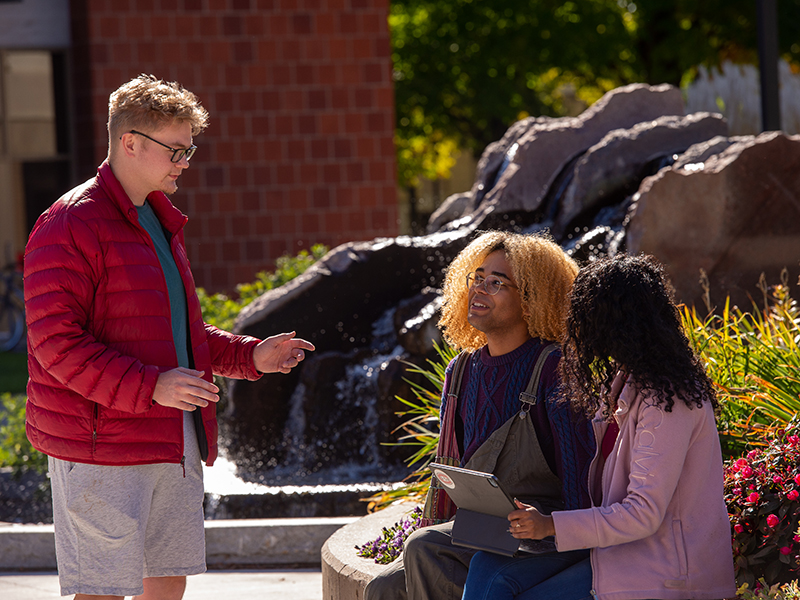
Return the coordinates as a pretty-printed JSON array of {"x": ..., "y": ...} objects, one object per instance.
[
  {"x": 492, "y": 164},
  {"x": 613, "y": 168},
  {"x": 735, "y": 216},
  {"x": 450, "y": 211},
  {"x": 346, "y": 305},
  {"x": 702, "y": 151},
  {"x": 415, "y": 322},
  {"x": 25, "y": 497},
  {"x": 591, "y": 244}
]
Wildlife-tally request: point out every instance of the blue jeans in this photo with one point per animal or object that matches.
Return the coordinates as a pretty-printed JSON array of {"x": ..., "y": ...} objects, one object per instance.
[{"x": 554, "y": 576}]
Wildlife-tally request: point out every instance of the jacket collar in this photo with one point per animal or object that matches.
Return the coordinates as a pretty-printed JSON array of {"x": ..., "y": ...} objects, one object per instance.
[
  {"x": 624, "y": 391},
  {"x": 172, "y": 219}
]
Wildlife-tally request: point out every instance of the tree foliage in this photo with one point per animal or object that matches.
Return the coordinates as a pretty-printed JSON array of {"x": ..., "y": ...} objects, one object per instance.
[{"x": 466, "y": 69}]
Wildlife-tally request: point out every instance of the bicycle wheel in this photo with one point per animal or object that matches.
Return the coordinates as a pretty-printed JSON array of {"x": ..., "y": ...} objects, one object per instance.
[{"x": 12, "y": 324}]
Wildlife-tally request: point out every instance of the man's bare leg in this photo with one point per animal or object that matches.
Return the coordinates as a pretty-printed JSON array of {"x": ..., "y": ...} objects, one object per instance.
[{"x": 163, "y": 588}]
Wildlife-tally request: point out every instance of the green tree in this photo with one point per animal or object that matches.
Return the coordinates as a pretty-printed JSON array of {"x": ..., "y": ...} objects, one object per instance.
[
  {"x": 672, "y": 37},
  {"x": 467, "y": 69}
]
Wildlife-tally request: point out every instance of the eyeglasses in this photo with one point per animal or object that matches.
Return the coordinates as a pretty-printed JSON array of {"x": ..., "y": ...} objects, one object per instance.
[
  {"x": 491, "y": 285},
  {"x": 178, "y": 154}
]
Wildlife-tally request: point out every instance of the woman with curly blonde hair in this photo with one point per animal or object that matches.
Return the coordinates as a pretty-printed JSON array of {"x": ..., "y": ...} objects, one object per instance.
[{"x": 543, "y": 274}]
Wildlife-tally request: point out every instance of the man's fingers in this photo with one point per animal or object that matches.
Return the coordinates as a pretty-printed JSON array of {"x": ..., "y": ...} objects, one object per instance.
[
  {"x": 303, "y": 344},
  {"x": 184, "y": 389}
]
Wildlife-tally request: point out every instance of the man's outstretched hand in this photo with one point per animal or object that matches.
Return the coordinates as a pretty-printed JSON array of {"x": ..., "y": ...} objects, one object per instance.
[
  {"x": 280, "y": 353},
  {"x": 184, "y": 389}
]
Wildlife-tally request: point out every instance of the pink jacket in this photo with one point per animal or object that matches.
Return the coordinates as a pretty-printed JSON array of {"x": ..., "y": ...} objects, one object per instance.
[{"x": 662, "y": 529}]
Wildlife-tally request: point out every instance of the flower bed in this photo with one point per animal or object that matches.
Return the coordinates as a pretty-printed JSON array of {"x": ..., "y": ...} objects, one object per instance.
[{"x": 762, "y": 491}]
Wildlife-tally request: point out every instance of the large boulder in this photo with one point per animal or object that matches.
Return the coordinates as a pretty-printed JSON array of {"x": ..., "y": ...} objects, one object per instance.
[
  {"x": 546, "y": 147},
  {"x": 615, "y": 166},
  {"x": 492, "y": 164},
  {"x": 734, "y": 215},
  {"x": 515, "y": 173}
]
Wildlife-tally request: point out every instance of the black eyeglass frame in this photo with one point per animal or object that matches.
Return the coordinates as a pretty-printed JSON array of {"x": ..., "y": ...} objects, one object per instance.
[
  {"x": 177, "y": 153},
  {"x": 483, "y": 281}
]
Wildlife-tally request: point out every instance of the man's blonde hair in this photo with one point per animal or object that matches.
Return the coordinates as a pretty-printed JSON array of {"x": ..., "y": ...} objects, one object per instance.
[
  {"x": 146, "y": 103},
  {"x": 543, "y": 274}
]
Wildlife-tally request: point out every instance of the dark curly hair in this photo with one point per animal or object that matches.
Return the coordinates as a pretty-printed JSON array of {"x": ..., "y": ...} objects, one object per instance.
[{"x": 621, "y": 315}]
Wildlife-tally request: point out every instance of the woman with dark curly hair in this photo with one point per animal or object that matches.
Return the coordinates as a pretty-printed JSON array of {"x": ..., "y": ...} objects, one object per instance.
[{"x": 658, "y": 527}]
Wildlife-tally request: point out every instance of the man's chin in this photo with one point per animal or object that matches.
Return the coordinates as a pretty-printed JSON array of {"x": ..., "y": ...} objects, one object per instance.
[{"x": 475, "y": 322}]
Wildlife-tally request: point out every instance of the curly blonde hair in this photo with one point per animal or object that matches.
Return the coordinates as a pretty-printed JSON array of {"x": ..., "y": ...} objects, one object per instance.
[
  {"x": 543, "y": 274},
  {"x": 146, "y": 103}
]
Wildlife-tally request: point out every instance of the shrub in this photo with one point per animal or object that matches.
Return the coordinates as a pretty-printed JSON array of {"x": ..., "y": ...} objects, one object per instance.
[
  {"x": 754, "y": 360},
  {"x": 762, "y": 591},
  {"x": 15, "y": 449},
  {"x": 762, "y": 491}
]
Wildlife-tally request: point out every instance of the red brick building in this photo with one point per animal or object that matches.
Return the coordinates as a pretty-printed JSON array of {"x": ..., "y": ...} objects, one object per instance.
[{"x": 299, "y": 149}]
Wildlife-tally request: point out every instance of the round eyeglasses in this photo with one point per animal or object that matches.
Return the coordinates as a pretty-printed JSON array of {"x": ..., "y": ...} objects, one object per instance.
[
  {"x": 491, "y": 284},
  {"x": 178, "y": 154}
]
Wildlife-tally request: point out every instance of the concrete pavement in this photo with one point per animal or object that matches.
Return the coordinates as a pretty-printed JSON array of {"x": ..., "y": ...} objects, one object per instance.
[
  {"x": 253, "y": 543},
  {"x": 297, "y": 584},
  {"x": 268, "y": 546}
]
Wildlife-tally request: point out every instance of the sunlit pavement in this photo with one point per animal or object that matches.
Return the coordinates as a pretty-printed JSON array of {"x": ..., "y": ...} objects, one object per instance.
[{"x": 297, "y": 584}]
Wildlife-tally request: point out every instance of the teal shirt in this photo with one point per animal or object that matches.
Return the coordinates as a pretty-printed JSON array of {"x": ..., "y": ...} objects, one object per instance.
[{"x": 177, "y": 294}]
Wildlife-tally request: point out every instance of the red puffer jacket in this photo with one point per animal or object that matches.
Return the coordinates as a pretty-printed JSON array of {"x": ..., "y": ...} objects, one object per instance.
[{"x": 99, "y": 331}]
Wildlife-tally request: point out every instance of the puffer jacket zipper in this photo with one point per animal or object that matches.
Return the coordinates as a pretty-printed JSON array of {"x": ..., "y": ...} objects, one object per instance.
[{"x": 95, "y": 419}]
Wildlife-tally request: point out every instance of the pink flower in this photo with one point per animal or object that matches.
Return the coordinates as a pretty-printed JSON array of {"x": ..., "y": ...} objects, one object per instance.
[
  {"x": 737, "y": 491},
  {"x": 753, "y": 497},
  {"x": 739, "y": 529},
  {"x": 793, "y": 440},
  {"x": 793, "y": 495},
  {"x": 786, "y": 550},
  {"x": 796, "y": 538},
  {"x": 747, "y": 472},
  {"x": 777, "y": 479},
  {"x": 772, "y": 520},
  {"x": 797, "y": 479},
  {"x": 752, "y": 486},
  {"x": 753, "y": 454}
]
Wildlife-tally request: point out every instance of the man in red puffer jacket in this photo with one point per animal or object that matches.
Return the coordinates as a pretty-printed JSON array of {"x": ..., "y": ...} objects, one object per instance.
[{"x": 121, "y": 395}]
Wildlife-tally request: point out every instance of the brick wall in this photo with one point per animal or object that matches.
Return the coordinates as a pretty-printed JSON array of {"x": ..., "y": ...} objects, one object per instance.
[{"x": 299, "y": 150}]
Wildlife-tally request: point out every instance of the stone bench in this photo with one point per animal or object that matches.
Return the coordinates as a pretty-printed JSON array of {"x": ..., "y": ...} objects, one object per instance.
[{"x": 345, "y": 574}]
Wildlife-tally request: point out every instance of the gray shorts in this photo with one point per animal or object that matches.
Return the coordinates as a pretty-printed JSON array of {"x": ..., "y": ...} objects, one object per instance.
[{"x": 117, "y": 525}]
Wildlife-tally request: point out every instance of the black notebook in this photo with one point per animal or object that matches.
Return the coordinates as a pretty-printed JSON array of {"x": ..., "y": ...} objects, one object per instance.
[{"x": 482, "y": 518}]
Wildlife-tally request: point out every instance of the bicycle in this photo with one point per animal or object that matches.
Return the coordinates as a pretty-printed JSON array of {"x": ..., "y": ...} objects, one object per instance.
[{"x": 12, "y": 307}]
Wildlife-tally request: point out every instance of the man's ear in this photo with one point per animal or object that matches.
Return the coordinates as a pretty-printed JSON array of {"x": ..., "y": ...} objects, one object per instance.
[{"x": 128, "y": 144}]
